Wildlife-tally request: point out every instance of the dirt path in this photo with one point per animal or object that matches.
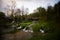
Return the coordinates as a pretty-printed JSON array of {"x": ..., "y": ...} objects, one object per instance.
[{"x": 20, "y": 35}]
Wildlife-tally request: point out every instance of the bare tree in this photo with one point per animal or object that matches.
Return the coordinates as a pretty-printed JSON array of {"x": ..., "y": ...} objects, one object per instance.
[
  {"x": 13, "y": 7},
  {"x": 18, "y": 12}
]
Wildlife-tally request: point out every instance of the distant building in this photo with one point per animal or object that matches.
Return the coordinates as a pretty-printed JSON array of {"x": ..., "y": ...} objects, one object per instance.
[{"x": 33, "y": 19}]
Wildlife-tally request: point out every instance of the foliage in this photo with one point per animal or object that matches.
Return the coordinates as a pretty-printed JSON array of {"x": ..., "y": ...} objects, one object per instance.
[
  {"x": 49, "y": 21},
  {"x": 23, "y": 24},
  {"x": 51, "y": 25},
  {"x": 13, "y": 31}
]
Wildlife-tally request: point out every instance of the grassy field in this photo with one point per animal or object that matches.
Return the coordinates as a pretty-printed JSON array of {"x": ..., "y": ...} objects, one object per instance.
[{"x": 25, "y": 24}]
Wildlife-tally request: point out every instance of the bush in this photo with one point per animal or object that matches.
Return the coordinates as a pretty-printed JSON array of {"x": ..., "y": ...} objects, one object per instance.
[{"x": 14, "y": 31}]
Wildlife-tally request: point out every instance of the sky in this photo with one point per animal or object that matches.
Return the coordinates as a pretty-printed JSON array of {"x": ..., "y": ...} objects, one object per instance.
[
  {"x": 33, "y": 4},
  {"x": 30, "y": 4}
]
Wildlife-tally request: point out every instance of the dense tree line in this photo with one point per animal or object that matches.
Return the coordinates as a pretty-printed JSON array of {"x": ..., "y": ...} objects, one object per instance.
[{"x": 51, "y": 15}]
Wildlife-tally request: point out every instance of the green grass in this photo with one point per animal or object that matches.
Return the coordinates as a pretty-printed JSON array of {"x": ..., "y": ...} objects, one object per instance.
[
  {"x": 39, "y": 25},
  {"x": 25, "y": 24},
  {"x": 51, "y": 31}
]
